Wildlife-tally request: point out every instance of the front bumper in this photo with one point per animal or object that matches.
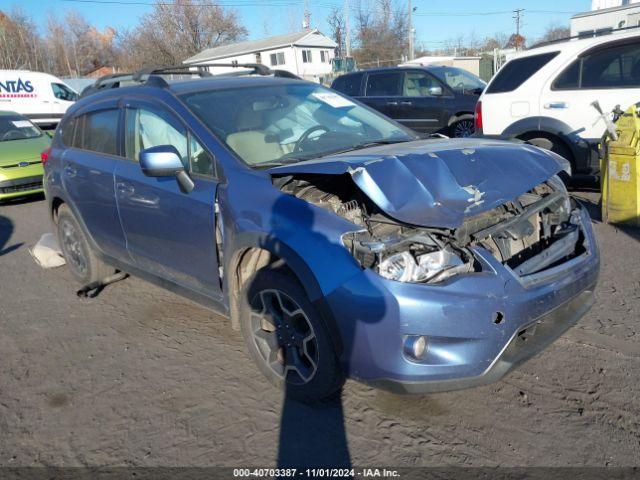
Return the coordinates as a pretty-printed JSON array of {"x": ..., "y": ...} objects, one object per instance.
[
  {"x": 28, "y": 184},
  {"x": 466, "y": 346}
]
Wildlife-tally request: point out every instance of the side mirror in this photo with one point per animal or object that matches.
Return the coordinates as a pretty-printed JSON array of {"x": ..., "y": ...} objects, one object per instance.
[
  {"x": 164, "y": 161},
  {"x": 435, "y": 91}
]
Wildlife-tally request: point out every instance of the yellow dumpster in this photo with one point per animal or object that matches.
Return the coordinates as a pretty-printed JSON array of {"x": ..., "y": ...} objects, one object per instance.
[{"x": 620, "y": 170}]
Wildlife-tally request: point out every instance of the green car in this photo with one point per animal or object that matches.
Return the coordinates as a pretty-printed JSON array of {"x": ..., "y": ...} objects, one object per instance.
[{"x": 21, "y": 143}]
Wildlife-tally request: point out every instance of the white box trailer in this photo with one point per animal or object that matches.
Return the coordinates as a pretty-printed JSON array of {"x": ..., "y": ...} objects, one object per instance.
[{"x": 40, "y": 97}]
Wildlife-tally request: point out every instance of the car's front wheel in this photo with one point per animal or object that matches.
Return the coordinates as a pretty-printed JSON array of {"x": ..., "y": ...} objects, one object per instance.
[{"x": 287, "y": 338}]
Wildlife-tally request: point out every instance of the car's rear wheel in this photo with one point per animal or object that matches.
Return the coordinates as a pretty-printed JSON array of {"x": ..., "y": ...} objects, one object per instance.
[
  {"x": 287, "y": 338},
  {"x": 463, "y": 127},
  {"x": 83, "y": 263}
]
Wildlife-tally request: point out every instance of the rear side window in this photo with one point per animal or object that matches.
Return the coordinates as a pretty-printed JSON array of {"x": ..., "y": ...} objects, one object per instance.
[
  {"x": 98, "y": 132},
  {"x": 518, "y": 71},
  {"x": 348, "y": 84},
  {"x": 68, "y": 132},
  {"x": 386, "y": 84},
  {"x": 613, "y": 67}
]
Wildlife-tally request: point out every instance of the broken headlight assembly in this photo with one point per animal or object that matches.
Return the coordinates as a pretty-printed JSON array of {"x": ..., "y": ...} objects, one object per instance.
[{"x": 414, "y": 259}]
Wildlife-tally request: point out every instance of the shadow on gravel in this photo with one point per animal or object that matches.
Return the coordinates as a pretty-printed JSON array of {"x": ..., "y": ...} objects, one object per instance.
[
  {"x": 313, "y": 436},
  {"x": 6, "y": 229}
]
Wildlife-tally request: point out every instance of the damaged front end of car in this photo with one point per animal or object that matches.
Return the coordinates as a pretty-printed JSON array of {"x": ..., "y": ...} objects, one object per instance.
[{"x": 537, "y": 230}]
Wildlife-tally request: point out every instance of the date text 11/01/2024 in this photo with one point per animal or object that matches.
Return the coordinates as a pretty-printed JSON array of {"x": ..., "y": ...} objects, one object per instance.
[{"x": 315, "y": 472}]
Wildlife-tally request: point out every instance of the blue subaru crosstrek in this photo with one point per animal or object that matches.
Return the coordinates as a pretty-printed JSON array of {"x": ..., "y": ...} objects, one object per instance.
[{"x": 339, "y": 242}]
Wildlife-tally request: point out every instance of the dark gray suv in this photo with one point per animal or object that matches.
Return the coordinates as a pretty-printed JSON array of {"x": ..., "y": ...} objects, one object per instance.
[{"x": 434, "y": 99}]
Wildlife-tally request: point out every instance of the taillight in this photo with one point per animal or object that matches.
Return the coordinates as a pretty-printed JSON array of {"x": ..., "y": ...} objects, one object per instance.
[
  {"x": 44, "y": 155},
  {"x": 478, "y": 116}
]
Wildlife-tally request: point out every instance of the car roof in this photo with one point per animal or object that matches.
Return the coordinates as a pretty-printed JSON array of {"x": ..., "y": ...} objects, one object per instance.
[
  {"x": 403, "y": 67},
  {"x": 222, "y": 82},
  {"x": 574, "y": 46}
]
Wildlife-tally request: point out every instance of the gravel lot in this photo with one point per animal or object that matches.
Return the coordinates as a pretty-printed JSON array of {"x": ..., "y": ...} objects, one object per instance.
[{"x": 139, "y": 376}]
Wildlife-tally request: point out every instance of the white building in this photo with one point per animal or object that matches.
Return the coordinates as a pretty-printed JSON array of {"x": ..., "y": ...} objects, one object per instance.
[
  {"x": 606, "y": 15},
  {"x": 307, "y": 54}
]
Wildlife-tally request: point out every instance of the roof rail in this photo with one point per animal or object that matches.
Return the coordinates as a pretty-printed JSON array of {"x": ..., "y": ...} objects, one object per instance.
[
  {"x": 590, "y": 34},
  {"x": 151, "y": 75},
  {"x": 201, "y": 69}
]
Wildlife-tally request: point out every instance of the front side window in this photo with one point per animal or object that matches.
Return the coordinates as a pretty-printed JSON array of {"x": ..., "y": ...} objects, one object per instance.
[
  {"x": 386, "y": 84},
  {"x": 62, "y": 92},
  {"x": 418, "y": 84},
  {"x": 518, "y": 71},
  {"x": 145, "y": 129},
  {"x": 459, "y": 80},
  {"x": 290, "y": 122},
  {"x": 98, "y": 132},
  {"x": 15, "y": 127}
]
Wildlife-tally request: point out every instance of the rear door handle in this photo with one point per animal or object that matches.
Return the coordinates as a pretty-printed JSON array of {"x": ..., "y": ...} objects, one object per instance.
[
  {"x": 125, "y": 188},
  {"x": 69, "y": 171},
  {"x": 406, "y": 103},
  {"x": 556, "y": 105}
]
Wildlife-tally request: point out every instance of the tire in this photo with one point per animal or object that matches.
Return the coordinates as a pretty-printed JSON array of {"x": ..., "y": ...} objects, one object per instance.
[
  {"x": 287, "y": 338},
  {"x": 555, "y": 146},
  {"x": 463, "y": 127},
  {"x": 83, "y": 263}
]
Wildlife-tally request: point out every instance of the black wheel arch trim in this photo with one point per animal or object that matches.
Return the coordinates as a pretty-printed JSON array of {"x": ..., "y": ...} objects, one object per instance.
[
  {"x": 578, "y": 146},
  {"x": 295, "y": 263}
]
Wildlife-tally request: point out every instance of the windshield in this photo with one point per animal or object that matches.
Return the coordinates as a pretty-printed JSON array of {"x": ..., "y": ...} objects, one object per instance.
[
  {"x": 291, "y": 122},
  {"x": 15, "y": 127},
  {"x": 459, "y": 80}
]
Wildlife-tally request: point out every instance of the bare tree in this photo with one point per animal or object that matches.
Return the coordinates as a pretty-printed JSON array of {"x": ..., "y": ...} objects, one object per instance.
[
  {"x": 177, "y": 30},
  {"x": 20, "y": 46},
  {"x": 381, "y": 34},
  {"x": 336, "y": 23},
  {"x": 554, "y": 31}
]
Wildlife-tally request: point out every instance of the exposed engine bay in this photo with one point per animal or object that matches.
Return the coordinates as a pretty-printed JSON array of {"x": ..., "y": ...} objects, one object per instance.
[{"x": 536, "y": 231}]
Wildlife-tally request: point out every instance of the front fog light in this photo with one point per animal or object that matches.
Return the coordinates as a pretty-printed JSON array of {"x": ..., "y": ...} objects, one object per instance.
[{"x": 415, "y": 346}]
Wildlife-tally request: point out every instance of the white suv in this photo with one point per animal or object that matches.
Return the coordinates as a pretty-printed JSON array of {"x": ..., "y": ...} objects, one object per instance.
[{"x": 544, "y": 95}]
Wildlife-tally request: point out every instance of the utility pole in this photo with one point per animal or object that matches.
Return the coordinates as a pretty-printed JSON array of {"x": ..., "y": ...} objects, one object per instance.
[
  {"x": 517, "y": 17},
  {"x": 410, "y": 31},
  {"x": 347, "y": 27},
  {"x": 306, "y": 23}
]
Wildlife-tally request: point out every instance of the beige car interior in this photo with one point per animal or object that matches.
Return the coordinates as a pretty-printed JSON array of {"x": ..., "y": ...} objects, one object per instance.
[{"x": 250, "y": 142}]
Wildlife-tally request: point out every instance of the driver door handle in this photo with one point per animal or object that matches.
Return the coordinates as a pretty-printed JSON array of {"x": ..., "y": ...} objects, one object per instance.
[{"x": 392, "y": 102}]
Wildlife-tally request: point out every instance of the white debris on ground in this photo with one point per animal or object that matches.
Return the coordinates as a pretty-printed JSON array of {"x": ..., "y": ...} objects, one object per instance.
[{"x": 46, "y": 252}]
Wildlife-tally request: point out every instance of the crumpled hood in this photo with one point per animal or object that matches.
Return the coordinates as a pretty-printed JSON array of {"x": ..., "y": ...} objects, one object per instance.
[{"x": 437, "y": 183}]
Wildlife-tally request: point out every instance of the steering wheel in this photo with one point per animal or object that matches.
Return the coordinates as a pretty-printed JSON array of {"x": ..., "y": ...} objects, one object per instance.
[
  {"x": 15, "y": 133},
  {"x": 305, "y": 136}
]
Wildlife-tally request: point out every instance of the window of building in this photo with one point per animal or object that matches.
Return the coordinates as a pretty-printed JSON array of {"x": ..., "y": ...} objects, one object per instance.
[
  {"x": 258, "y": 58},
  {"x": 306, "y": 56},
  {"x": 277, "y": 58}
]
